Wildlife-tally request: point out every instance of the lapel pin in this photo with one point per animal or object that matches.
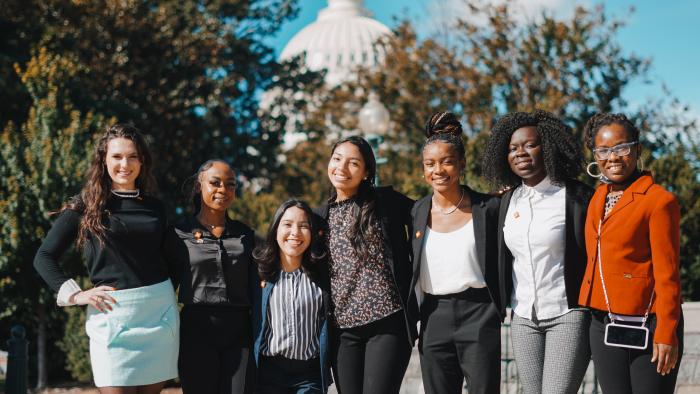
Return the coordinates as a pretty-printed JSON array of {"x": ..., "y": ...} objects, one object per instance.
[
  {"x": 516, "y": 214},
  {"x": 417, "y": 234},
  {"x": 263, "y": 283}
]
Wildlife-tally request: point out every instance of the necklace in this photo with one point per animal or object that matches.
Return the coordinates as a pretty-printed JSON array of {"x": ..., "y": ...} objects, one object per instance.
[
  {"x": 126, "y": 193},
  {"x": 209, "y": 226},
  {"x": 444, "y": 212}
]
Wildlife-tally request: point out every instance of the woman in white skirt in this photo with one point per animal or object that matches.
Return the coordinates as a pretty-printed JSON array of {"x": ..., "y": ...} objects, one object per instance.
[{"x": 132, "y": 317}]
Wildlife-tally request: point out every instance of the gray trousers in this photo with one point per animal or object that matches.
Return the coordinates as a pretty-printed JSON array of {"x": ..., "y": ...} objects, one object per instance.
[{"x": 552, "y": 355}]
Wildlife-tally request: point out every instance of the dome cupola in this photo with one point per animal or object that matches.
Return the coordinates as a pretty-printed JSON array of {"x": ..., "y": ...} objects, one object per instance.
[{"x": 342, "y": 38}]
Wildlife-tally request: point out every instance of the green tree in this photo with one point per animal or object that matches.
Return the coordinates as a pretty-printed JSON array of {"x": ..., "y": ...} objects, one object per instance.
[
  {"x": 41, "y": 163},
  {"x": 572, "y": 67}
]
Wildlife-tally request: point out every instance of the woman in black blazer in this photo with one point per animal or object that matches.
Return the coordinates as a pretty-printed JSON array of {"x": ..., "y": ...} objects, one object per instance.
[
  {"x": 455, "y": 265},
  {"x": 542, "y": 255},
  {"x": 370, "y": 273}
]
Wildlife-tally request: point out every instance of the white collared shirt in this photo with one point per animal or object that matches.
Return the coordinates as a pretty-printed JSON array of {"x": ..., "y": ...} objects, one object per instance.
[
  {"x": 449, "y": 261},
  {"x": 535, "y": 233}
]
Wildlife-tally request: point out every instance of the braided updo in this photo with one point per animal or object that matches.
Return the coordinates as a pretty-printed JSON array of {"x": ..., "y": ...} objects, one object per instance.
[
  {"x": 445, "y": 127},
  {"x": 597, "y": 121}
]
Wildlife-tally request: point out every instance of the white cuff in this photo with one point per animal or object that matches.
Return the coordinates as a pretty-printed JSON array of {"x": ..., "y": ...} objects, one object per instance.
[{"x": 67, "y": 290}]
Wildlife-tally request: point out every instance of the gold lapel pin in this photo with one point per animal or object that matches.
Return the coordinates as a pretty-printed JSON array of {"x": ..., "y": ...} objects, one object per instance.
[{"x": 417, "y": 234}]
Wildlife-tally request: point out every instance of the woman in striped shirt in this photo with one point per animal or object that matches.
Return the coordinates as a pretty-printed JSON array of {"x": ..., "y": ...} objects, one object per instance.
[{"x": 290, "y": 317}]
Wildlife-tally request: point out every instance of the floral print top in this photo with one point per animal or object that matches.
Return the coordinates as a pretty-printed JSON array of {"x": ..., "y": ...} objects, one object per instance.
[{"x": 362, "y": 291}]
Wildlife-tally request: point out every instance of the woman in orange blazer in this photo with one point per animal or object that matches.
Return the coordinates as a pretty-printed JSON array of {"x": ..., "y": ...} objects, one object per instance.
[{"x": 639, "y": 226}]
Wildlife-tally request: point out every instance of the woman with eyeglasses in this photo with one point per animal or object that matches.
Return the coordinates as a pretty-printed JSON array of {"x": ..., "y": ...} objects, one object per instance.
[
  {"x": 217, "y": 278},
  {"x": 632, "y": 280}
]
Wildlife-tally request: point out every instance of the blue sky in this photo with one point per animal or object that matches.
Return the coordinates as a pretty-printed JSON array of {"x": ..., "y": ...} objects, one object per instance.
[{"x": 668, "y": 32}]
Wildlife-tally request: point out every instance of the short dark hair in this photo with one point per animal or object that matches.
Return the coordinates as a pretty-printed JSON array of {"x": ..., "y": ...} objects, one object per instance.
[
  {"x": 597, "y": 121},
  {"x": 196, "y": 193},
  {"x": 267, "y": 255},
  {"x": 562, "y": 154}
]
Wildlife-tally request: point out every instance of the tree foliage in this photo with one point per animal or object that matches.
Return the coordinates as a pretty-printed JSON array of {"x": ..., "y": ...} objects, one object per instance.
[
  {"x": 185, "y": 72},
  {"x": 497, "y": 64}
]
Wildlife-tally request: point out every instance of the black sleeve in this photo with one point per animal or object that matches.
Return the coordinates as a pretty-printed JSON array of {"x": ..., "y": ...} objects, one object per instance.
[
  {"x": 60, "y": 238},
  {"x": 174, "y": 253}
]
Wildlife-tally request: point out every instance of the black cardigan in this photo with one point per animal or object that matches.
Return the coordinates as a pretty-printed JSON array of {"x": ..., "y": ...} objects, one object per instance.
[
  {"x": 577, "y": 196},
  {"x": 484, "y": 216},
  {"x": 393, "y": 210}
]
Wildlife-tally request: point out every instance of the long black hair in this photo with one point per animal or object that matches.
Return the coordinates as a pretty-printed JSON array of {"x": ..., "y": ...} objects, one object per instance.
[
  {"x": 267, "y": 255},
  {"x": 563, "y": 159},
  {"x": 365, "y": 201}
]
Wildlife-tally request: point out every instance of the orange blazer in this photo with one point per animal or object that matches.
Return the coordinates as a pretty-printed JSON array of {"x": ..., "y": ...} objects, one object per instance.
[{"x": 640, "y": 250}]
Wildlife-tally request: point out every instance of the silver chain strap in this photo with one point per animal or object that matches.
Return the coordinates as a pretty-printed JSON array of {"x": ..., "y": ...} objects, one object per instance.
[{"x": 602, "y": 281}]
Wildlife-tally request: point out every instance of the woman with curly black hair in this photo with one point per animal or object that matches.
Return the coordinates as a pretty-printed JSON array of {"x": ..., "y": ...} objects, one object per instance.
[
  {"x": 632, "y": 281},
  {"x": 290, "y": 318},
  {"x": 542, "y": 250},
  {"x": 455, "y": 253}
]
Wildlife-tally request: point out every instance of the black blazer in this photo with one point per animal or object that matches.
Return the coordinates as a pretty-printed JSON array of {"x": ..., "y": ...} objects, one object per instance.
[
  {"x": 393, "y": 210},
  {"x": 485, "y": 218},
  {"x": 577, "y": 197}
]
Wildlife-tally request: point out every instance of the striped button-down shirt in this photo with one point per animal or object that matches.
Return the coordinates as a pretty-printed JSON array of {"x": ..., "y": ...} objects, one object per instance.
[{"x": 293, "y": 317}]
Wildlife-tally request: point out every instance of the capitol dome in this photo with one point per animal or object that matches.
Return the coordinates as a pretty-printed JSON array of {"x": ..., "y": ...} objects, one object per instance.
[{"x": 342, "y": 38}]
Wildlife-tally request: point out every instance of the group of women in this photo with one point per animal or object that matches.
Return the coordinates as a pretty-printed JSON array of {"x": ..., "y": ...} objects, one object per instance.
[{"x": 337, "y": 293}]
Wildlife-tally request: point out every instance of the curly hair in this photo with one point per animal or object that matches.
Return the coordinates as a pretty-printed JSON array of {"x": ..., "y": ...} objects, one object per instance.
[
  {"x": 562, "y": 154},
  {"x": 92, "y": 199},
  {"x": 597, "y": 121},
  {"x": 267, "y": 255},
  {"x": 365, "y": 200},
  {"x": 445, "y": 127}
]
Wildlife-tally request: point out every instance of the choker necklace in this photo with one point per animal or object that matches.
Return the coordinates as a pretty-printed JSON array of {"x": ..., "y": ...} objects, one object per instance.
[
  {"x": 126, "y": 193},
  {"x": 451, "y": 209}
]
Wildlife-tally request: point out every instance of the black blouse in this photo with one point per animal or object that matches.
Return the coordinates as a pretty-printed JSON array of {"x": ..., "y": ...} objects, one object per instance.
[
  {"x": 131, "y": 255},
  {"x": 211, "y": 270}
]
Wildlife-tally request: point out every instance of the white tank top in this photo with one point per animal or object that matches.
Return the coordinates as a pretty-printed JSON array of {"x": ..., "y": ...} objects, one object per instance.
[{"x": 449, "y": 262}]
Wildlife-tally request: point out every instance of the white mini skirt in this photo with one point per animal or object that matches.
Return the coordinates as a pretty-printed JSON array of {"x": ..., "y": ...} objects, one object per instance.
[{"x": 136, "y": 343}]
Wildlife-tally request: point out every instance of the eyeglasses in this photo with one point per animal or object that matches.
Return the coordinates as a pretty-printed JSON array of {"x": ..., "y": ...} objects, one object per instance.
[{"x": 619, "y": 150}]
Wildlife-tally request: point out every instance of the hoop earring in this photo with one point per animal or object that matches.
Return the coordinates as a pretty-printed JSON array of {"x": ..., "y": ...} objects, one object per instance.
[
  {"x": 588, "y": 170},
  {"x": 640, "y": 163}
]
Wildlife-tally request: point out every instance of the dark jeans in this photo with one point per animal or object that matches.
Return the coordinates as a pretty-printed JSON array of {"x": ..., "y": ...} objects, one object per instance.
[
  {"x": 280, "y": 375},
  {"x": 460, "y": 339},
  {"x": 627, "y": 371},
  {"x": 373, "y": 358},
  {"x": 215, "y": 350}
]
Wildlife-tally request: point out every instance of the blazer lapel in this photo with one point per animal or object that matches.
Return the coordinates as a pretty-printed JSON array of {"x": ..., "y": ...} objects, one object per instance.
[
  {"x": 479, "y": 218},
  {"x": 420, "y": 224}
]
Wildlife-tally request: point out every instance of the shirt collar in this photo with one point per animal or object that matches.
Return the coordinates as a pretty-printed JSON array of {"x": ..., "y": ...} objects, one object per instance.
[
  {"x": 294, "y": 273},
  {"x": 540, "y": 188}
]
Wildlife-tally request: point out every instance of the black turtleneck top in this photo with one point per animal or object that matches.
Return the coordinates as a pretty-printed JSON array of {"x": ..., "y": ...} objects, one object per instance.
[{"x": 131, "y": 256}]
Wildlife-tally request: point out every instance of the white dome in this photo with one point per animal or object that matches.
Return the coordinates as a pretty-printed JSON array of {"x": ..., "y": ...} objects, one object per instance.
[{"x": 341, "y": 38}]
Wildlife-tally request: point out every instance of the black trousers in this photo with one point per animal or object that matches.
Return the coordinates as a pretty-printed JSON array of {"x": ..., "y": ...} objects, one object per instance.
[
  {"x": 627, "y": 371},
  {"x": 215, "y": 350},
  {"x": 373, "y": 358},
  {"x": 460, "y": 339}
]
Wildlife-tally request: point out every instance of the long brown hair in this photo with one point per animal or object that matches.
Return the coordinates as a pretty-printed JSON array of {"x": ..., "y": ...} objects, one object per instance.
[{"x": 93, "y": 197}]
